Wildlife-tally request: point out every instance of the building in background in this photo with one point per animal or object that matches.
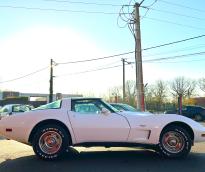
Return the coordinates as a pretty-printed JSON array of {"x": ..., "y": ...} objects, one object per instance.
[{"x": 35, "y": 99}]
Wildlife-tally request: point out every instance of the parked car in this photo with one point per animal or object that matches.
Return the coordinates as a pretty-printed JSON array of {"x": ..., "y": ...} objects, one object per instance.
[
  {"x": 51, "y": 129},
  {"x": 14, "y": 108},
  {"x": 194, "y": 112},
  {"x": 123, "y": 107}
]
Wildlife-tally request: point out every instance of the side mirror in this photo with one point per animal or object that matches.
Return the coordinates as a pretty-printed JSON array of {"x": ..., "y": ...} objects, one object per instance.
[{"x": 104, "y": 111}]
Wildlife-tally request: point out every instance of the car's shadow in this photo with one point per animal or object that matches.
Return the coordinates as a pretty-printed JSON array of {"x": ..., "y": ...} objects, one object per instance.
[{"x": 107, "y": 161}]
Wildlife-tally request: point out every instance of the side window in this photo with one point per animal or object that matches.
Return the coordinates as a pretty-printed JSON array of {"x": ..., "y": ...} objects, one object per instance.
[
  {"x": 16, "y": 108},
  {"x": 20, "y": 108},
  {"x": 87, "y": 106},
  {"x": 5, "y": 110}
]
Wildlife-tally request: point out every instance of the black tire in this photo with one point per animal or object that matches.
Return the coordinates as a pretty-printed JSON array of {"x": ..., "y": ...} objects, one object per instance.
[
  {"x": 198, "y": 117},
  {"x": 50, "y": 142},
  {"x": 175, "y": 142}
]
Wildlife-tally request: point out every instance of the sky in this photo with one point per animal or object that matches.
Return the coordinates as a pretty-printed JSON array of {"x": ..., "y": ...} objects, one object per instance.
[{"x": 33, "y": 32}]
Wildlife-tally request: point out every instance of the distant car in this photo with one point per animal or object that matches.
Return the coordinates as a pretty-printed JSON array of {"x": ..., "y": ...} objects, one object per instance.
[
  {"x": 123, "y": 107},
  {"x": 51, "y": 129},
  {"x": 194, "y": 112},
  {"x": 14, "y": 108}
]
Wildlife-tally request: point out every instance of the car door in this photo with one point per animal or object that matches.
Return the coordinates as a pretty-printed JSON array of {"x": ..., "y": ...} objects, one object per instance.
[{"x": 91, "y": 125}]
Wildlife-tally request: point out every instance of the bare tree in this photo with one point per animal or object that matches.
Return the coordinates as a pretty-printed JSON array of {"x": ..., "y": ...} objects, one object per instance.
[
  {"x": 191, "y": 89},
  {"x": 155, "y": 95},
  {"x": 149, "y": 97},
  {"x": 130, "y": 92},
  {"x": 202, "y": 84},
  {"x": 149, "y": 90},
  {"x": 181, "y": 86},
  {"x": 160, "y": 91},
  {"x": 115, "y": 93}
]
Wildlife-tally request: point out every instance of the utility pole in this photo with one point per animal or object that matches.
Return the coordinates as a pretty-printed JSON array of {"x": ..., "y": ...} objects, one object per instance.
[
  {"x": 51, "y": 82},
  {"x": 123, "y": 74},
  {"x": 138, "y": 60}
]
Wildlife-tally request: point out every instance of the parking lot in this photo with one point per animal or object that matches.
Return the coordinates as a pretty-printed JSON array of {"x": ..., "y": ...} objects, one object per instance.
[{"x": 17, "y": 157}]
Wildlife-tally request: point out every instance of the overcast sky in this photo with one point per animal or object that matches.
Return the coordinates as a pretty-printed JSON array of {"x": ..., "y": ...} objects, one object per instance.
[{"x": 33, "y": 32}]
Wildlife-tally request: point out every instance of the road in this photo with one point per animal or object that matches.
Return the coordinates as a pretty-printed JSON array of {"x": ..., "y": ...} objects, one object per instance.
[{"x": 17, "y": 157}]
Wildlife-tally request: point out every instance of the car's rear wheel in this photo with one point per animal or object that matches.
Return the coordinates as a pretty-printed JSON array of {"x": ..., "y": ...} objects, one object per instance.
[
  {"x": 175, "y": 142},
  {"x": 50, "y": 142}
]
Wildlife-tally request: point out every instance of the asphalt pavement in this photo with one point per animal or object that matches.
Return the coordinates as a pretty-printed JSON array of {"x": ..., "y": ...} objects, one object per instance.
[{"x": 17, "y": 157}]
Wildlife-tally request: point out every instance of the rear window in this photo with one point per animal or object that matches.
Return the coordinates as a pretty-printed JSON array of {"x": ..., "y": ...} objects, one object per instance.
[{"x": 53, "y": 105}]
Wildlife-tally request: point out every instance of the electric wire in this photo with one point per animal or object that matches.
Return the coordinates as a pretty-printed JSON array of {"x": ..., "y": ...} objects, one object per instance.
[
  {"x": 182, "y": 6},
  {"x": 157, "y": 60},
  {"x": 94, "y": 59},
  {"x": 177, "y": 14},
  {"x": 116, "y": 55},
  {"x": 84, "y": 3},
  {"x": 186, "y": 61},
  {"x": 176, "y": 50},
  {"x": 175, "y": 42},
  {"x": 174, "y": 57},
  {"x": 147, "y": 8},
  {"x": 88, "y": 71},
  {"x": 130, "y": 52},
  {"x": 57, "y": 10},
  {"x": 174, "y": 23},
  {"x": 24, "y": 76}
]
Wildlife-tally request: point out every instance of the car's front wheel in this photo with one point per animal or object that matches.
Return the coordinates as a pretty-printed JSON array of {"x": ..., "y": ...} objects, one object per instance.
[
  {"x": 50, "y": 142},
  {"x": 175, "y": 142}
]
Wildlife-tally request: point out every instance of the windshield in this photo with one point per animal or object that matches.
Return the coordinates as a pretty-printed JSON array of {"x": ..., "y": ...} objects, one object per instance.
[
  {"x": 53, "y": 105},
  {"x": 111, "y": 107},
  {"x": 130, "y": 108}
]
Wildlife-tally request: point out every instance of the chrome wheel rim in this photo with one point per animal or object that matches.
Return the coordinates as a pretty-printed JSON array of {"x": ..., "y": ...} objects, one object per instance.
[
  {"x": 50, "y": 142},
  {"x": 173, "y": 142}
]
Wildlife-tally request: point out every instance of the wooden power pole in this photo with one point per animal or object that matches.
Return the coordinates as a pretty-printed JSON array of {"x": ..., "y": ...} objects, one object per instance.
[{"x": 138, "y": 60}]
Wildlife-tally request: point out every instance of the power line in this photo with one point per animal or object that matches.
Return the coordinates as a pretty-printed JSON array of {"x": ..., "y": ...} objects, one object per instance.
[
  {"x": 148, "y": 8},
  {"x": 155, "y": 1},
  {"x": 88, "y": 60},
  {"x": 175, "y": 42},
  {"x": 177, "y": 14},
  {"x": 183, "y": 6},
  {"x": 88, "y": 71},
  {"x": 116, "y": 55},
  {"x": 24, "y": 76},
  {"x": 84, "y": 3},
  {"x": 130, "y": 52},
  {"x": 187, "y": 61},
  {"x": 170, "y": 22},
  {"x": 176, "y": 50},
  {"x": 57, "y": 10},
  {"x": 174, "y": 57},
  {"x": 153, "y": 60}
]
